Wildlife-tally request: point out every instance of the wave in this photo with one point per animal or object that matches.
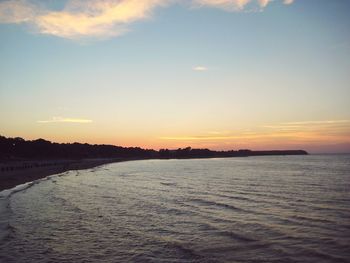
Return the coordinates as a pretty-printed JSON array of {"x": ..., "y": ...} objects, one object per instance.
[
  {"x": 145, "y": 212},
  {"x": 6, "y": 230},
  {"x": 209, "y": 203}
]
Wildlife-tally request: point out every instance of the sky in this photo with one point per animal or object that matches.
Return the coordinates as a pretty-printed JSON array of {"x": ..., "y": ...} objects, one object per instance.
[{"x": 218, "y": 74}]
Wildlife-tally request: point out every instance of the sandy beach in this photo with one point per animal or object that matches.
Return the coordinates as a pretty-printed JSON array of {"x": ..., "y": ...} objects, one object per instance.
[{"x": 20, "y": 172}]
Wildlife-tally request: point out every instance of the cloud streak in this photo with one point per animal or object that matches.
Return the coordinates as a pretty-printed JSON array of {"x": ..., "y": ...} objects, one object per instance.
[
  {"x": 308, "y": 124},
  {"x": 200, "y": 68},
  {"x": 237, "y": 5},
  {"x": 79, "y": 18},
  {"x": 317, "y": 122},
  {"x": 98, "y": 18},
  {"x": 288, "y": 2},
  {"x": 320, "y": 131},
  {"x": 230, "y": 5},
  {"x": 65, "y": 120}
]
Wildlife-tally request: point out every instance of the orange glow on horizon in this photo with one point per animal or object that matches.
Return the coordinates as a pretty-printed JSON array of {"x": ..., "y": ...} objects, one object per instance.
[{"x": 302, "y": 135}]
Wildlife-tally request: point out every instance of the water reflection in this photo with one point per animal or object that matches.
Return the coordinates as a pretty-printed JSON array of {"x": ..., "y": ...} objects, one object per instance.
[{"x": 272, "y": 209}]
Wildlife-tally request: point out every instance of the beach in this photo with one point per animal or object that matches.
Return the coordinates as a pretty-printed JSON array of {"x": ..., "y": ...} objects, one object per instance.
[{"x": 13, "y": 173}]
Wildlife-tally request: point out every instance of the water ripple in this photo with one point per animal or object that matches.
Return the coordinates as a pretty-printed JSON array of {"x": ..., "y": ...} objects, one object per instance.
[{"x": 259, "y": 209}]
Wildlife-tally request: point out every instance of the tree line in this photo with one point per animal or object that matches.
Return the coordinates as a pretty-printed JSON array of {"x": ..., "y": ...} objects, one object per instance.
[{"x": 18, "y": 148}]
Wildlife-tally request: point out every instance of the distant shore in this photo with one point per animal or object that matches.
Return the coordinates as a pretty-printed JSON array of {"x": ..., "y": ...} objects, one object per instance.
[
  {"x": 20, "y": 172},
  {"x": 24, "y": 161}
]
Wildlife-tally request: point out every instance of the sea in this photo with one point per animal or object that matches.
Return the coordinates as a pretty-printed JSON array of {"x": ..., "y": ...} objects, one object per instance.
[{"x": 248, "y": 209}]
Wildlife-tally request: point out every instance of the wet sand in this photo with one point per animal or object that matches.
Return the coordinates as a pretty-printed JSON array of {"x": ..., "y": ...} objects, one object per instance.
[{"x": 20, "y": 172}]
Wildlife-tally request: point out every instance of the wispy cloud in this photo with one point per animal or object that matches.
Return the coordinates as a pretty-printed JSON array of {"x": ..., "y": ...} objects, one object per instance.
[
  {"x": 79, "y": 18},
  {"x": 288, "y": 2},
  {"x": 97, "y": 18},
  {"x": 218, "y": 132},
  {"x": 65, "y": 120},
  {"x": 200, "y": 138},
  {"x": 200, "y": 68},
  {"x": 317, "y": 122},
  {"x": 231, "y": 5},
  {"x": 20, "y": 11},
  {"x": 286, "y": 132},
  {"x": 264, "y": 3},
  {"x": 307, "y": 124},
  {"x": 236, "y": 5}
]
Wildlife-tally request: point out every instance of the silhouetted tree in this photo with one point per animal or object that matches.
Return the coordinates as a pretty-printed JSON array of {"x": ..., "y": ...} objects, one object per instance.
[{"x": 17, "y": 148}]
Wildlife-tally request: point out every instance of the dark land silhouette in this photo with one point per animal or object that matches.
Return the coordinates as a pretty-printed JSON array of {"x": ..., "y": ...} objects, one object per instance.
[
  {"x": 24, "y": 160},
  {"x": 18, "y": 148}
]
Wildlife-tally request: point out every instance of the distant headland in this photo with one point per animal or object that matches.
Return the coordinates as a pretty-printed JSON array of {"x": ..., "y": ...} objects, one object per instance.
[{"x": 24, "y": 160}]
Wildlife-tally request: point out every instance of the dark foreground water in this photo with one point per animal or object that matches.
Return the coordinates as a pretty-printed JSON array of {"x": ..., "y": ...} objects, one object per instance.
[{"x": 256, "y": 209}]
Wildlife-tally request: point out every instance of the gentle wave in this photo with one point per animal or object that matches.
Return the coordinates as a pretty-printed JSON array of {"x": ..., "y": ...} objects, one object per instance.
[{"x": 267, "y": 209}]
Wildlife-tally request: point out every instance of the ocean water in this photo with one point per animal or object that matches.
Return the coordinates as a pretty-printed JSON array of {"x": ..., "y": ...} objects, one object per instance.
[{"x": 255, "y": 209}]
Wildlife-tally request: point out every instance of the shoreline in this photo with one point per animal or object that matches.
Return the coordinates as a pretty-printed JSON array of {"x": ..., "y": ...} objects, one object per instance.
[{"x": 13, "y": 174}]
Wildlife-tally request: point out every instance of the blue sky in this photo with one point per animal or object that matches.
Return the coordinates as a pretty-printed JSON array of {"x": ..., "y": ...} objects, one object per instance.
[{"x": 273, "y": 75}]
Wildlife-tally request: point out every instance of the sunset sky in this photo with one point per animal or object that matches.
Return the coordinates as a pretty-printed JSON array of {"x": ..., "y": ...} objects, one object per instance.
[{"x": 219, "y": 74}]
